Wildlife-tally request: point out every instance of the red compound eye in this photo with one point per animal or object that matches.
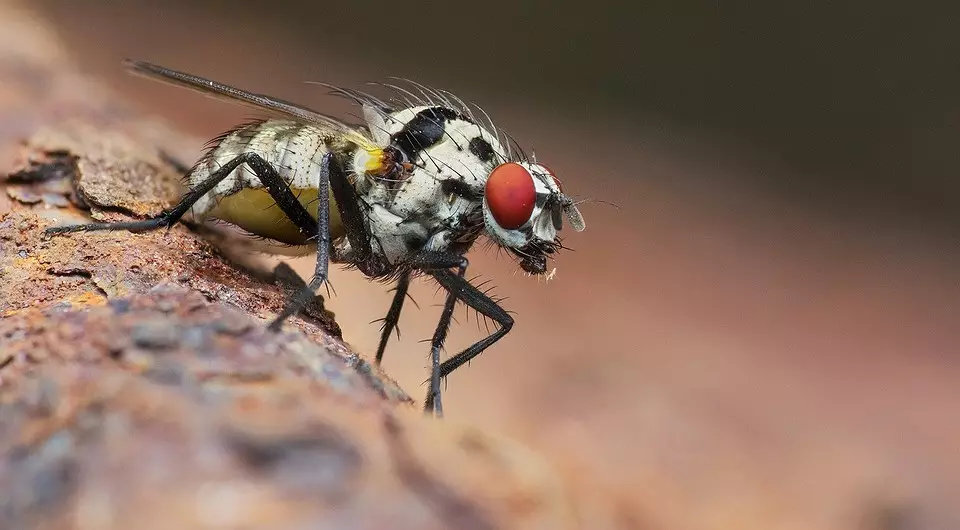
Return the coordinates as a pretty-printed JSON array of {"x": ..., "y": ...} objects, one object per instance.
[
  {"x": 554, "y": 175},
  {"x": 511, "y": 195}
]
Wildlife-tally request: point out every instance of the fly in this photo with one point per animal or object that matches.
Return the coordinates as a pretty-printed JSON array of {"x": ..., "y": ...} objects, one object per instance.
[{"x": 403, "y": 195}]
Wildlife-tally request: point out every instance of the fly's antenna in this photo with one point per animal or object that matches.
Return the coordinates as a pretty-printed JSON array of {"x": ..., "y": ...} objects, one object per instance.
[{"x": 588, "y": 199}]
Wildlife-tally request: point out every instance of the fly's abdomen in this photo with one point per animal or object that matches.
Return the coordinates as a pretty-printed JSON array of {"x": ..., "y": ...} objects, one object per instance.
[{"x": 294, "y": 150}]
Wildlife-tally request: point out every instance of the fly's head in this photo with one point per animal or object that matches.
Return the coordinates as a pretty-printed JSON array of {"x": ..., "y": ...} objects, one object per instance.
[{"x": 523, "y": 208}]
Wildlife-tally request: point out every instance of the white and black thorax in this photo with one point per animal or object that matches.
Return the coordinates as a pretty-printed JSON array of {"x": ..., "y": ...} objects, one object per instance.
[{"x": 433, "y": 201}]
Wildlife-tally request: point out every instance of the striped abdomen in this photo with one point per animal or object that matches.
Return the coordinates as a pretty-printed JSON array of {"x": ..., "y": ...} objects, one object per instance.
[{"x": 295, "y": 150}]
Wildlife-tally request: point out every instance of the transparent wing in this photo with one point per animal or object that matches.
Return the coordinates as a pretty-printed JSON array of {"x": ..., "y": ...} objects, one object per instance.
[{"x": 236, "y": 95}]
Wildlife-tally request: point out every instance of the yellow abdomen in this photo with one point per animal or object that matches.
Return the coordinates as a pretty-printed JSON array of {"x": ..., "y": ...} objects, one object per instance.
[{"x": 254, "y": 210}]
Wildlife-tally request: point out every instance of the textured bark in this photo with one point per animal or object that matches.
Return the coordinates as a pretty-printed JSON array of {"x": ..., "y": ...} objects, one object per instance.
[{"x": 139, "y": 387}]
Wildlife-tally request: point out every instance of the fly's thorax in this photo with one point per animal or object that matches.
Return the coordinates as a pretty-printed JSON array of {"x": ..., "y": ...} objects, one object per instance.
[
  {"x": 403, "y": 183},
  {"x": 440, "y": 145},
  {"x": 445, "y": 144}
]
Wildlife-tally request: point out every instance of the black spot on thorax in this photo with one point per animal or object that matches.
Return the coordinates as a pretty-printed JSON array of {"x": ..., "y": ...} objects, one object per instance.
[
  {"x": 424, "y": 130},
  {"x": 482, "y": 149}
]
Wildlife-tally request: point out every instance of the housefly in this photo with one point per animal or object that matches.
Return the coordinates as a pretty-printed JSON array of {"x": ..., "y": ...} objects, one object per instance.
[{"x": 404, "y": 194}]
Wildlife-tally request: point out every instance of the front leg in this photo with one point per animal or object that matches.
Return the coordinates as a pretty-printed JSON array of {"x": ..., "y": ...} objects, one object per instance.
[
  {"x": 459, "y": 288},
  {"x": 462, "y": 289},
  {"x": 424, "y": 260},
  {"x": 439, "y": 265}
]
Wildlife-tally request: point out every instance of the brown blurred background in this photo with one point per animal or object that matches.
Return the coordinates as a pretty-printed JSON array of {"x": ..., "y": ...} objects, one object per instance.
[{"x": 764, "y": 332}]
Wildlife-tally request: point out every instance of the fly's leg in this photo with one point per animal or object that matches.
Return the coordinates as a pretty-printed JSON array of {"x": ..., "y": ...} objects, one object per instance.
[
  {"x": 328, "y": 166},
  {"x": 432, "y": 402},
  {"x": 271, "y": 180},
  {"x": 333, "y": 176},
  {"x": 354, "y": 224},
  {"x": 361, "y": 251},
  {"x": 439, "y": 265},
  {"x": 464, "y": 291},
  {"x": 393, "y": 315}
]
